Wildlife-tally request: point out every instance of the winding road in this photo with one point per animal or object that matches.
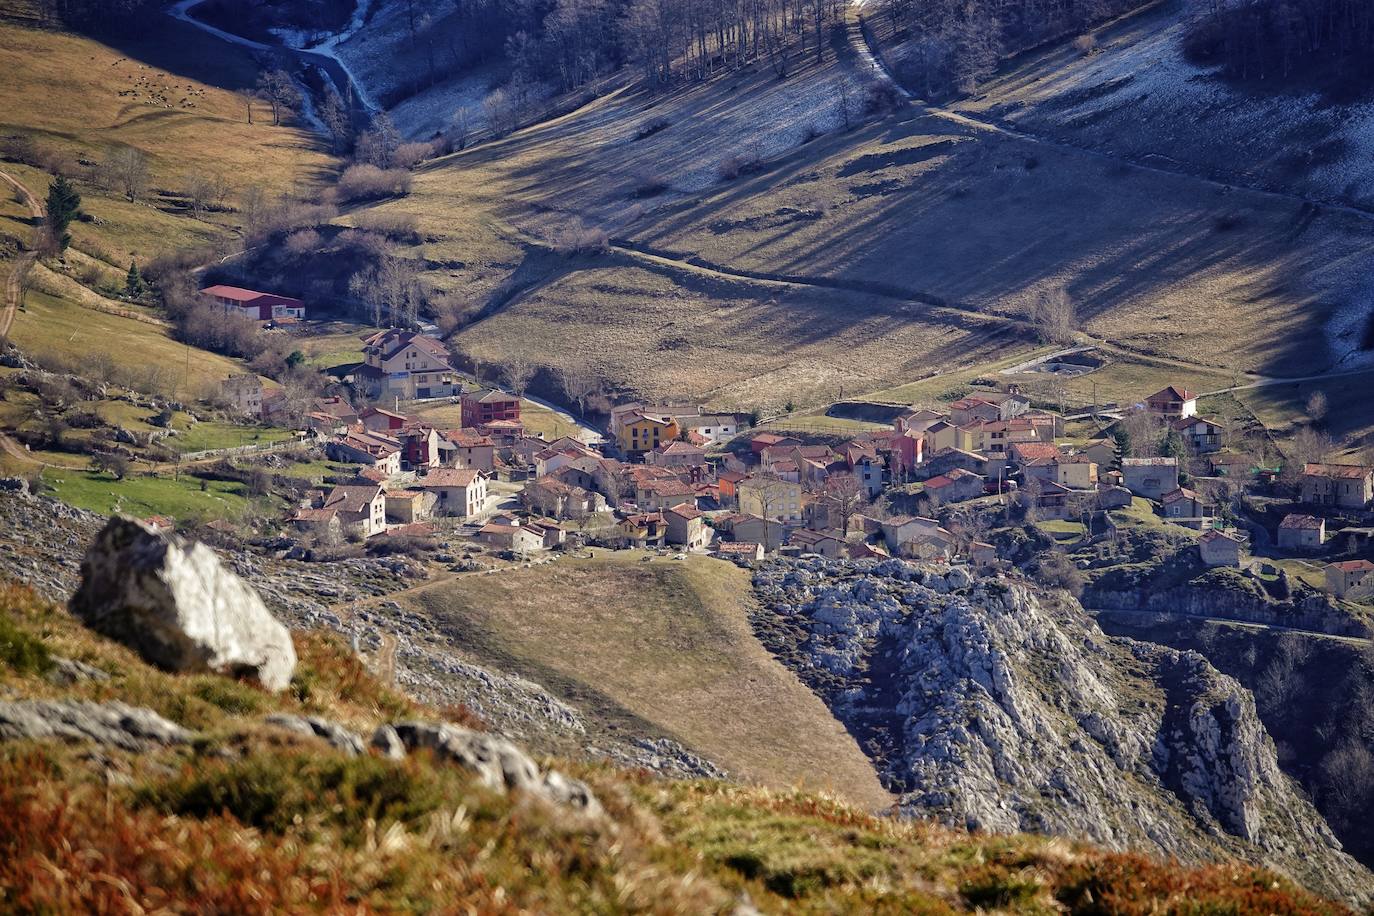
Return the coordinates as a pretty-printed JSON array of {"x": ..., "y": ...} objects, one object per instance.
[
  {"x": 14, "y": 284},
  {"x": 325, "y": 56}
]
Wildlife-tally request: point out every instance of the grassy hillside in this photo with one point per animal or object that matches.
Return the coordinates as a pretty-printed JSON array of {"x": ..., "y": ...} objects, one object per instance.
[
  {"x": 254, "y": 820},
  {"x": 625, "y": 636},
  {"x": 908, "y": 242}
]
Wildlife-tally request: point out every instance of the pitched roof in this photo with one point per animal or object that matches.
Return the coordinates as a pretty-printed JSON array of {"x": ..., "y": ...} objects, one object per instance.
[
  {"x": 393, "y": 341},
  {"x": 1172, "y": 393},
  {"x": 488, "y": 396},
  {"x": 1302, "y": 522},
  {"x": 677, "y": 447},
  {"x": 467, "y": 437},
  {"x": 1342, "y": 471},
  {"x": 1353, "y": 565},
  {"x": 1174, "y": 496},
  {"x": 685, "y": 510},
  {"x": 1036, "y": 452},
  {"x": 1214, "y": 535},
  {"x": 350, "y": 498},
  {"x": 448, "y": 477},
  {"x": 248, "y": 296},
  {"x": 751, "y": 547},
  {"x": 666, "y": 487},
  {"x": 1149, "y": 462}
]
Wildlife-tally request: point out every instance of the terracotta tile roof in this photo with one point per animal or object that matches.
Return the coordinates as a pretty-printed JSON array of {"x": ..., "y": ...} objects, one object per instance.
[
  {"x": 1036, "y": 452},
  {"x": 685, "y": 510},
  {"x": 1172, "y": 393},
  {"x": 448, "y": 477},
  {"x": 1353, "y": 565},
  {"x": 1341, "y": 471},
  {"x": 350, "y": 498},
  {"x": 467, "y": 438},
  {"x": 488, "y": 396},
  {"x": 1174, "y": 496},
  {"x": 742, "y": 547}
]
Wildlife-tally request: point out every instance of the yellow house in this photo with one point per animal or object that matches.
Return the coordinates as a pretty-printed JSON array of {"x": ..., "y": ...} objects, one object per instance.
[
  {"x": 1077, "y": 472},
  {"x": 942, "y": 435},
  {"x": 646, "y": 432},
  {"x": 770, "y": 498}
]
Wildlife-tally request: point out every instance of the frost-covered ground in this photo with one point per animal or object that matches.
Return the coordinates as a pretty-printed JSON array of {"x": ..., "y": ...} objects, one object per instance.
[{"x": 1136, "y": 95}]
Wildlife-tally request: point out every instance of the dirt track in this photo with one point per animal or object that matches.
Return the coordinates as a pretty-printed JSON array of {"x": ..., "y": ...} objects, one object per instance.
[{"x": 14, "y": 291}]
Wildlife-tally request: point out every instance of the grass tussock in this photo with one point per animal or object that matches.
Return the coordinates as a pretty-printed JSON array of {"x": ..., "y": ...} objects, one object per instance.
[{"x": 251, "y": 820}]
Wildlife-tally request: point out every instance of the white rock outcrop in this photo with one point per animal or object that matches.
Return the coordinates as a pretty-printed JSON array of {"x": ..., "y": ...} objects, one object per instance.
[
  {"x": 990, "y": 706},
  {"x": 175, "y": 604}
]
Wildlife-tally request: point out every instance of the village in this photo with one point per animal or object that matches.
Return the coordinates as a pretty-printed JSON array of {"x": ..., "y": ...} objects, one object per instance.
[{"x": 936, "y": 483}]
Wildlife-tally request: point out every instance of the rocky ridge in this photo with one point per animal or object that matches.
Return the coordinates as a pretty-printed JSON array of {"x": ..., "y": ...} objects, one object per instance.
[
  {"x": 990, "y": 706},
  {"x": 47, "y": 541}
]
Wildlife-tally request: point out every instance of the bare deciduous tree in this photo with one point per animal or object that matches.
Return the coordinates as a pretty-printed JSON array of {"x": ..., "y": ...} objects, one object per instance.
[
  {"x": 1054, "y": 316},
  {"x": 517, "y": 371},
  {"x": 126, "y": 170},
  {"x": 278, "y": 90}
]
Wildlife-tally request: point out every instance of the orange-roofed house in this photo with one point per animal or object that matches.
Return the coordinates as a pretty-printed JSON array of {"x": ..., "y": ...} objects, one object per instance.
[
  {"x": 1349, "y": 486},
  {"x": 1350, "y": 578}
]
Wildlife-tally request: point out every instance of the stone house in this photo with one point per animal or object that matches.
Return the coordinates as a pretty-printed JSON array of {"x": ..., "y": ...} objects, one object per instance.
[
  {"x": 738, "y": 551},
  {"x": 557, "y": 499},
  {"x": 1348, "y": 486},
  {"x": 1150, "y": 477},
  {"x": 956, "y": 486},
  {"x": 1183, "y": 507},
  {"x": 1219, "y": 548},
  {"x": 686, "y": 527},
  {"x": 468, "y": 448},
  {"x": 1302, "y": 532},
  {"x": 826, "y": 543},
  {"x": 360, "y": 509},
  {"x": 406, "y": 507},
  {"x": 505, "y": 532},
  {"x": 244, "y": 394},
  {"x": 1077, "y": 472},
  {"x": 1350, "y": 578},
  {"x": 755, "y": 529},
  {"x": 770, "y": 497},
  {"x": 369, "y": 449}
]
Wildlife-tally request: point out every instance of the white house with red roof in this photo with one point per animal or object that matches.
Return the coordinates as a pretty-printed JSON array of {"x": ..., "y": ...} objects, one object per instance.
[{"x": 252, "y": 304}]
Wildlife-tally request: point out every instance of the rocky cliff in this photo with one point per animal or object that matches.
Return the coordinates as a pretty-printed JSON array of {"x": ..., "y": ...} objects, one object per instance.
[{"x": 991, "y": 706}]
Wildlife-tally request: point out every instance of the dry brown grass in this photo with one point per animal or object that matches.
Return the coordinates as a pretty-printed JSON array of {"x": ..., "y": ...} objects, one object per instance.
[
  {"x": 253, "y": 820},
  {"x": 668, "y": 642}
]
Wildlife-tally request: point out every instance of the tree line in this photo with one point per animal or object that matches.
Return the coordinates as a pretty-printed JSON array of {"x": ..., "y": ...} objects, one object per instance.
[
  {"x": 1267, "y": 39},
  {"x": 569, "y": 43},
  {"x": 948, "y": 46}
]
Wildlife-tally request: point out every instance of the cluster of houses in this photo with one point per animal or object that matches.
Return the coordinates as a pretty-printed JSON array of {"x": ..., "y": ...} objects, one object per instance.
[{"x": 677, "y": 474}]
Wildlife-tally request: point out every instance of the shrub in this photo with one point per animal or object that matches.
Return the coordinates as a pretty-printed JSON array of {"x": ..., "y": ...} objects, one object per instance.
[
  {"x": 737, "y": 164},
  {"x": 409, "y": 155},
  {"x": 367, "y": 182},
  {"x": 580, "y": 238},
  {"x": 22, "y": 652},
  {"x": 651, "y": 127},
  {"x": 649, "y": 186},
  {"x": 399, "y": 227}
]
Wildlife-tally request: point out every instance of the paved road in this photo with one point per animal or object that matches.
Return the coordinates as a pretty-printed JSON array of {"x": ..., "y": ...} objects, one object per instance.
[
  {"x": 1359, "y": 641},
  {"x": 325, "y": 57},
  {"x": 14, "y": 289}
]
